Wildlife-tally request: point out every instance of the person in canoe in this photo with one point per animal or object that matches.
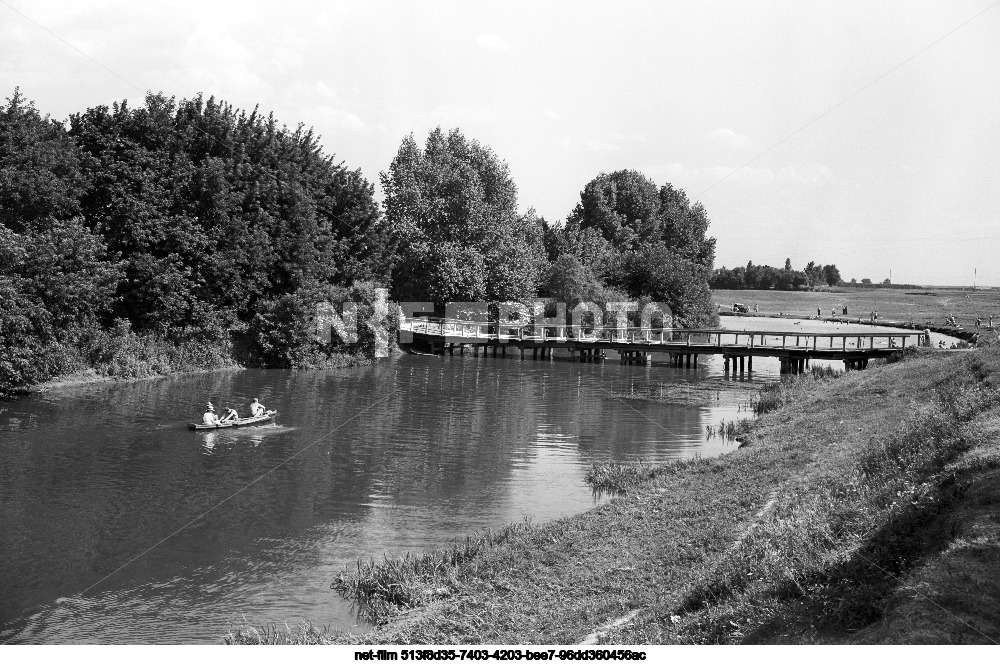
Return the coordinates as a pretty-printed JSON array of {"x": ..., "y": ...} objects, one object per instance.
[
  {"x": 256, "y": 408},
  {"x": 210, "y": 417},
  {"x": 231, "y": 416}
]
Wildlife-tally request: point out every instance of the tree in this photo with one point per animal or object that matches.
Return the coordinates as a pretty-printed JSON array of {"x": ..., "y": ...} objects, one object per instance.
[
  {"x": 831, "y": 274},
  {"x": 647, "y": 241},
  {"x": 216, "y": 212},
  {"x": 40, "y": 173},
  {"x": 570, "y": 281},
  {"x": 451, "y": 209}
]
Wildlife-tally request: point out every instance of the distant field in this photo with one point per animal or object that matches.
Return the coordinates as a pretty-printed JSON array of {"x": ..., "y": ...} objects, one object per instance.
[{"x": 931, "y": 305}]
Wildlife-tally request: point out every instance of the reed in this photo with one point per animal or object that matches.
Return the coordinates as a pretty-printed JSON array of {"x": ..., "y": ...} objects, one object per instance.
[
  {"x": 619, "y": 478},
  {"x": 384, "y": 588},
  {"x": 274, "y": 634}
]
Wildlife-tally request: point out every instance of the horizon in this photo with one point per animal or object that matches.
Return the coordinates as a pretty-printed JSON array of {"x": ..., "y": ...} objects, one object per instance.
[{"x": 839, "y": 133}]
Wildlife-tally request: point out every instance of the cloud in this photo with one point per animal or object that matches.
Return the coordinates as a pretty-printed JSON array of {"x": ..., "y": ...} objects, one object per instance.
[
  {"x": 551, "y": 114},
  {"x": 629, "y": 138},
  {"x": 729, "y": 138},
  {"x": 588, "y": 144},
  {"x": 493, "y": 43},
  {"x": 451, "y": 115},
  {"x": 748, "y": 175}
]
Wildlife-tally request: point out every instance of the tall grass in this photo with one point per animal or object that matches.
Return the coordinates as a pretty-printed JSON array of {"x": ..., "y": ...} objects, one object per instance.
[
  {"x": 274, "y": 634},
  {"x": 837, "y": 543},
  {"x": 623, "y": 477},
  {"x": 384, "y": 588}
]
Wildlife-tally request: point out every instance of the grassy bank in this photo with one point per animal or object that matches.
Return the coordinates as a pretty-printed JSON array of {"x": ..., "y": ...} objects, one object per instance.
[
  {"x": 859, "y": 509},
  {"x": 923, "y": 306},
  {"x": 121, "y": 355}
]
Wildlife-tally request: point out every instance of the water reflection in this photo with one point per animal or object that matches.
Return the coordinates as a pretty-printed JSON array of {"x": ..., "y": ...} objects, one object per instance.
[{"x": 207, "y": 527}]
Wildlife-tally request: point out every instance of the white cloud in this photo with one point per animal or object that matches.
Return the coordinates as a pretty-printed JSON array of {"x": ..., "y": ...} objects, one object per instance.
[
  {"x": 493, "y": 43},
  {"x": 748, "y": 175},
  {"x": 451, "y": 115},
  {"x": 551, "y": 114},
  {"x": 629, "y": 138},
  {"x": 729, "y": 138},
  {"x": 588, "y": 144}
]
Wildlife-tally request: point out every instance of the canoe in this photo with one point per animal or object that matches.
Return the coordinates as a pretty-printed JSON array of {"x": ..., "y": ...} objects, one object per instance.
[{"x": 242, "y": 422}]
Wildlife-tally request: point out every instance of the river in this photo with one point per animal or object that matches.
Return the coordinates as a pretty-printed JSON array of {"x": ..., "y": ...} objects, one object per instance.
[{"x": 119, "y": 525}]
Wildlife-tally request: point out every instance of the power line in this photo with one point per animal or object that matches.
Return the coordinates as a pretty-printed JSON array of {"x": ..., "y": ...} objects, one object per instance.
[
  {"x": 846, "y": 99},
  {"x": 92, "y": 59}
]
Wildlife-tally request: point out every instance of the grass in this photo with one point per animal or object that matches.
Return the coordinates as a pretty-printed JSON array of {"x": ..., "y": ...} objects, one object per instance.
[
  {"x": 858, "y": 509},
  {"x": 274, "y": 634},
  {"x": 923, "y": 306}
]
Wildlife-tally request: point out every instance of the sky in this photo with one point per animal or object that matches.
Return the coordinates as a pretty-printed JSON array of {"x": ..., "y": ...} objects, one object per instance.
[{"x": 856, "y": 133}]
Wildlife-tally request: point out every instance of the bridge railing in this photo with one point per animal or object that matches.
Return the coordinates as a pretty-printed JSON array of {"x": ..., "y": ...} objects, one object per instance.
[{"x": 457, "y": 330}]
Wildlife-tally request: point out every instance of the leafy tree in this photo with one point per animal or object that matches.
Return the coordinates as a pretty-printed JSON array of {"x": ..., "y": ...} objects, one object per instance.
[
  {"x": 624, "y": 227},
  {"x": 40, "y": 174},
  {"x": 659, "y": 273},
  {"x": 570, "y": 281},
  {"x": 451, "y": 209},
  {"x": 215, "y": 211},
  {"x": 831, "y": 275}
]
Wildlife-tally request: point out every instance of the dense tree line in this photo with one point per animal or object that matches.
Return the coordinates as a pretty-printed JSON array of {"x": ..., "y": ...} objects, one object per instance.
[
  {"x": 628, "y": 239},
  {"x": 765, "y": 277},
  {"x": 184, "y": 234},
  {"x": 180, "y": 222}
]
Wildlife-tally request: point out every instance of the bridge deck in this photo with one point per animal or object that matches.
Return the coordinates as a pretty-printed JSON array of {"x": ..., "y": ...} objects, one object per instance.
[{"x": 715, "y": 341}]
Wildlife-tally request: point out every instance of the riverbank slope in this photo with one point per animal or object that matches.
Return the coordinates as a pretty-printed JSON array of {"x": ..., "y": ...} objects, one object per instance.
[{"x": 862, "y": 509}]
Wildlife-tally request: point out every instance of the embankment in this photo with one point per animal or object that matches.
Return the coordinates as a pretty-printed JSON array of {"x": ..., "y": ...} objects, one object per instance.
[{"x": 861, "y": 509}]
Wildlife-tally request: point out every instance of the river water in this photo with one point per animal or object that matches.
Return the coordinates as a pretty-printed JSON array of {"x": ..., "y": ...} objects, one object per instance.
[{"x": 119, "y": 525}]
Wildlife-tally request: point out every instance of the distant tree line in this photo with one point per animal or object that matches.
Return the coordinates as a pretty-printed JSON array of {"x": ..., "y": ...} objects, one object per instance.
[
  {"x": 189, "y": 234},
  {"x": 765, "y": 277},
  {"x": 814, "y": 275}
]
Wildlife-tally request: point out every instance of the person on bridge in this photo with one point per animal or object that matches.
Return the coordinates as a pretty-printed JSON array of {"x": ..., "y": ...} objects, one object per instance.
[{"x": 210, "y": 417}]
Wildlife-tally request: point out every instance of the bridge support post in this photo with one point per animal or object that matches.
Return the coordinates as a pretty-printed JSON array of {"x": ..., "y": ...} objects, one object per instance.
[
  {"x": 475, "y": 350},
  {"x": 749, "y": 363},
  {"x": 522, "y": 353},
  {"x": 725, "y": 362},
  {"x": 695, "y": 360},
  {"x": 742, "y": 363}
]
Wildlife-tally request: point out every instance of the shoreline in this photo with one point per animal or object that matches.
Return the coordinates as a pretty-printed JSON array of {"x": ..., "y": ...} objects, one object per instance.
[
  {"x": 957, "y": 333},
  {"x": 91, "y": 377},
  {"x": 843, "y": 501}
]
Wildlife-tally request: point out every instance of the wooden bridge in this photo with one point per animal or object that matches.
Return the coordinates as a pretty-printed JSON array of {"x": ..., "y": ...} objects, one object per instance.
[{"x": 637, "y": 345}]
